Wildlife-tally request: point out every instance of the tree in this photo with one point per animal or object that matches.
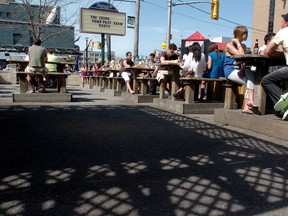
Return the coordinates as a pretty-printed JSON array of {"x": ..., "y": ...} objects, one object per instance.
[{"x": 44, "y": 19}]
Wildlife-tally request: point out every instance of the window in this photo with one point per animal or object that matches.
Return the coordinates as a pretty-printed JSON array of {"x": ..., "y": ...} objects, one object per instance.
[
  {"x": 271, "y": 16},
  {"x": 8, "y": 14},
  {"x": 17, "y": 38}
]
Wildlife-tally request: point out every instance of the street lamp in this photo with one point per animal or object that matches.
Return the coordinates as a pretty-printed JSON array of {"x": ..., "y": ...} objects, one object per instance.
[{"x": 86, "y": 50}]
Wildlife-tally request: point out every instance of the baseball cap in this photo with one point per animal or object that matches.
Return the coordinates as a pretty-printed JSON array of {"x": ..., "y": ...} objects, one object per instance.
[{"x": 285, "y": 17}]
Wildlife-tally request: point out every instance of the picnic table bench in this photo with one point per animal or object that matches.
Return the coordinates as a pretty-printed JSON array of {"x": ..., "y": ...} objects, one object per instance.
[
  {"x": 191, "y": 87},
  {"x": 60, "y": 77}
]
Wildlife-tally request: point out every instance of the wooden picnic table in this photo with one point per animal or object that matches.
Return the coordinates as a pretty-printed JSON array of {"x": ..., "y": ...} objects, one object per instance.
[
  {"x": 136, "y": 70},
  {"x": 262, "y": 63},
  {"x": 174, "y": 69},
  {"x": 59, "y": 74},
  {"x": 24, "y": 63}
]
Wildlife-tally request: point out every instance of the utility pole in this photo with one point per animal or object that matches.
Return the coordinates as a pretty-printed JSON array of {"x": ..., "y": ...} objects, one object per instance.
[
  {"x": 136, "y": 31},
  {"x": 108, "y": 41},
  {"x": 168, "y": 36},
  {"x": 214, "y": 13}
]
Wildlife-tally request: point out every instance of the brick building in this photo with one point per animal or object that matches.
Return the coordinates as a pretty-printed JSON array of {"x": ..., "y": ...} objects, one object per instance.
[{"x": 266, "y": 17}]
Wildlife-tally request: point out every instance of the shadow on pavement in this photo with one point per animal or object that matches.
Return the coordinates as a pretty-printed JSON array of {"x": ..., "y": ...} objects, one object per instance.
[
  {"x": 126, "y": 160},
  {"x": 80, "y": 99}
]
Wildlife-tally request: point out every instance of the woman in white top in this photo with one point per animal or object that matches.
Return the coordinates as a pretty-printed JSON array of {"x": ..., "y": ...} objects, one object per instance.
[{"x": 194, "y": 66}]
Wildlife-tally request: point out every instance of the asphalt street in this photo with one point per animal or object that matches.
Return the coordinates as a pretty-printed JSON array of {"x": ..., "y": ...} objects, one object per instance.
[{"x": 101, "y": 155}]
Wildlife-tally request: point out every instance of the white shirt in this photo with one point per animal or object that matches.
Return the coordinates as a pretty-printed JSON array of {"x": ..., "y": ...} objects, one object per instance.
[
  {"x": 262, "y": 48},
  {"x": 184, "y": 57},
  {"x": 197, "y": 67},
  {"x": 282, "y": 39}
]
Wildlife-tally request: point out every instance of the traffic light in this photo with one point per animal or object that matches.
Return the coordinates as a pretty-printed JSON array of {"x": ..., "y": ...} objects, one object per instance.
[
  {"x": 214, "y": 9},
  {"x": 99, "y": 45},
  {"x": 91, "y": 44},
  {"x": 164, "y": 45}
]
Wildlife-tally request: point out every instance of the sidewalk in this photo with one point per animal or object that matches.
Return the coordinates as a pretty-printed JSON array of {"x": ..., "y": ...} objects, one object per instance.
[{"x": 103, "y": 156}]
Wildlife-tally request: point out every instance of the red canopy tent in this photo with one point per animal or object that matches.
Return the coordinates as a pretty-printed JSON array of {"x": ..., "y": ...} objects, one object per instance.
[{"x": 198, "y": 37}]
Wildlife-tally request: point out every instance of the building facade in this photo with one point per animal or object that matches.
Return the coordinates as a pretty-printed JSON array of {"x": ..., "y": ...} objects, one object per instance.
[
  {"x": 266, "y": 18},
  {"x": 94, "y": 56},
  {"x": 15, "y": 27}
]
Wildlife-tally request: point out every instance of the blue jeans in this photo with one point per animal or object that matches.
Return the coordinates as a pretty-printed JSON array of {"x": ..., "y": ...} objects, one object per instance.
[
  {"x": 153, "y": 86},
  {"x": 272, "y": 83}
]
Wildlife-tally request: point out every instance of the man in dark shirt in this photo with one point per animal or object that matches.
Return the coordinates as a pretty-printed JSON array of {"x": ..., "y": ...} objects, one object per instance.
[{"x": 162, "y": 73}]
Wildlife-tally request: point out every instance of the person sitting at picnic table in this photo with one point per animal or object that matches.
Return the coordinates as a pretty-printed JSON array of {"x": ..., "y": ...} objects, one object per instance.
[
  {"x": 112, "y": 66},
  {"x": 96, "y": 68},
  {"x": 239, "y": 73},
  {"x": 194, "y": 66},
  {"x": 126, "y": 72},
  {"x": 214, "y": 66},
  {"x": 119, "y": 66},
  {"x": 151, "y": 63},
  {"x": 271, "y": 82},
  {"x": 215, "y": 62},
  {"x": 37, "y": 58},
  {"x": 84, "y": 74},
  {"x": 267, "y": 40},
  {"x": 162, "y": 73},
  {"x": 105, "y": 66},
  {"x": 51, "y": 57}
]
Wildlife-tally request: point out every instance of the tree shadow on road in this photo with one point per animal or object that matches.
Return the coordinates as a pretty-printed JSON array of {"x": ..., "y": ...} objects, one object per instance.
[{"x": 128, "y": 160}]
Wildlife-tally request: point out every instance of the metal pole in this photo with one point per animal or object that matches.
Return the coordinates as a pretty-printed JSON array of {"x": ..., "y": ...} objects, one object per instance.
[
  {"x": 168, "y": 36},
  {"x": 136, "y": 32},
  {"x": 108, "y": 45},
  {"x": 102, "y": 49},
  {"x": 86, "y": 55}
]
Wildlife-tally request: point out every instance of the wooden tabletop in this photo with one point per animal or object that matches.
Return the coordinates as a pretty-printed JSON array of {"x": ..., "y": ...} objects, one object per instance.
[
  {"x": 27, "y": 61},
  {"x": 140, "y": 68},
  {"x": 168, "y": 63},
  {"x": 259, "y": 59}
]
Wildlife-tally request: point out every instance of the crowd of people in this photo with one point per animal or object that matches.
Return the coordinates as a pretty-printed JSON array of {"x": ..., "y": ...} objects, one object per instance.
[{"x": 192, "y": 64}]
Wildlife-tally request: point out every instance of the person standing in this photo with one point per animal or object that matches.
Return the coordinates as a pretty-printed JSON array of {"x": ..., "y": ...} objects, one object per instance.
[
  {"x": 239, "y": 73},
  {"x": 37, "y": 58}
]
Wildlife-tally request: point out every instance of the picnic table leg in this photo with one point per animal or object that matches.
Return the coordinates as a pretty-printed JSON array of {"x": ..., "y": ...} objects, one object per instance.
[
  {"x": 101, "y": 81},
  {"x": 174, "y": 84},
  {"x": 118, "y": 88},
  {"x": 143, "y": 87},
  {"x": 230, "y": 96},
  {"x": 62, "y": 84},
  {"x": 259, "y": 93},
  {"x": 114, "y": 84},
  {"x": 110, "y": 83},
  {"x": 90, "y": 82},
  {"x": 190, "y": 92},
  {"x": 161, "y": 92},
  {"x": 23, "y": 83},
  {"x": 135, "y": 83}
]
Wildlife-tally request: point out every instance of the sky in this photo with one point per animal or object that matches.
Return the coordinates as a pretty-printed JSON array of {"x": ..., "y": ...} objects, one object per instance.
[{"x": 185, "y": 20}]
